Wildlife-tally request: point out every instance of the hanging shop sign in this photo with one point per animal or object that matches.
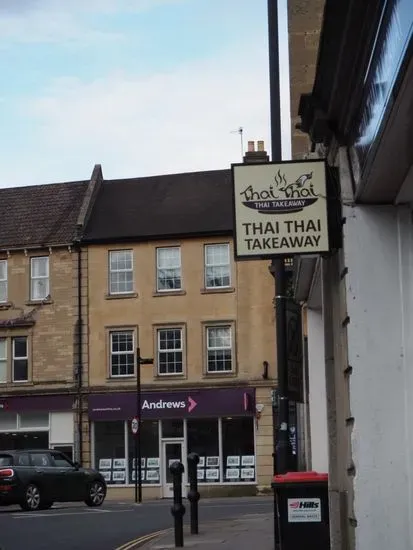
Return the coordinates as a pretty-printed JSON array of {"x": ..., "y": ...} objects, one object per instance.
[{"x": 280, "y": 209}]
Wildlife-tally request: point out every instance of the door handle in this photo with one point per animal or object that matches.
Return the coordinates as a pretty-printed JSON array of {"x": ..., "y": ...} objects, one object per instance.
[{"x": 39, "y": 471}]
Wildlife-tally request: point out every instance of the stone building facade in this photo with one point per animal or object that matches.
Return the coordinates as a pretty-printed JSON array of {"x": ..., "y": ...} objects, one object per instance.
[
  {"x": 162, "y": 278},
  {"x": 39, "y": 315}
]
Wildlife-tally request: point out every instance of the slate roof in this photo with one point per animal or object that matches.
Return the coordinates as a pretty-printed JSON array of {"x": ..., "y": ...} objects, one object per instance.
[
  {"x": 167, "y": 206},
  {"x": 40, "y": 215}
]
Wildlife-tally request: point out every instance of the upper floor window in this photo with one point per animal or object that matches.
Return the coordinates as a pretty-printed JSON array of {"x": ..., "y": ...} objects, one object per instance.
[
  {"x": 170, "y": 350},
  {"x": 168, "y": 269},
  {"x": 39, "y": 278},
  {"x": 3, "y": 360},
  {"x": 20, "y": 366},
  {"x": 217, "y": 266},
  {"x": 120, "y": 271},
  {"x": 122, "y": 353},
  {"x": 219, "y": 349},
  {"x": 3, "y": 280}
]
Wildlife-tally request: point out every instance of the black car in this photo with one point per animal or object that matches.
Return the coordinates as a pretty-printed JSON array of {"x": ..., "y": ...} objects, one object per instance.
[{"x": 35, "y": 479}]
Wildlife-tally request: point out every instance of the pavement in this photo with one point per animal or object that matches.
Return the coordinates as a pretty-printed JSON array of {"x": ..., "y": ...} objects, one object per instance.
[{"x": 249, "y": 531}]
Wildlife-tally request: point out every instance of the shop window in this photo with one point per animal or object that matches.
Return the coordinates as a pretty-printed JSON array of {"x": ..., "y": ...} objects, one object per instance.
[
  {"x": 217, "y": 266},
  {"x": 3, "y": 360},
  {"x": 150, "y": 461},
  {"x": 122, "y": 354},
  {"x": 20, "y": 359},
  {"x": 203, "y": 439},
  {"x": 39, "y": 278},
  {"x": 8, "y": 421},
  {"x": 238, "y": 450},
  {"x": 110, "y": 451},
  {"x": 34, "y": 420},
  {"x": 168, "y": 269},
  {"x": 3, "y": 281},
  {"x": 24, "y": 440},
  {"x": 170, "y": 350},
  {"x": 173, "y": 427},
  {"x": 219, "y": 349},
  {"x": 120, "y": 271}
]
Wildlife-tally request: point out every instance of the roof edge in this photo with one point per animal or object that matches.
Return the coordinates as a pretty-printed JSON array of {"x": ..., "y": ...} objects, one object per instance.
[
  {"x": 21, "y": 248},
  {"x": 145, "y": 238},
  {"x": 92, "y": 190},
  {"x": 167, "y": 175}
]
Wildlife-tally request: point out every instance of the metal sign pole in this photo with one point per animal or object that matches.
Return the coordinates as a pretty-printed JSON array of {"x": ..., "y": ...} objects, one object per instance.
[
  {"x": 135, "y": 429},
  {"x": 136, "y": 467},
  {"x": 138, "y": 470},
  {"x": 277, "y": 268},
  {"x": 138, "y": 442}
]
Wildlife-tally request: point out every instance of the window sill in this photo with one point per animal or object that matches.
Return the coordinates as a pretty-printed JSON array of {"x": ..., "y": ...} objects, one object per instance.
[
  {"x": 121, "y": 296},
  {"x": 118, "y": 379},
  {"x": 38, "y": 302},
  {"x": 5, "y": 305},
  {"x": 21, "y": 383},
  {"x": 229, "y": 374},
  {"x": 180, "y": 376},
  {"x": 219, "y": 290},
  {"x": 169, "y": 293}
]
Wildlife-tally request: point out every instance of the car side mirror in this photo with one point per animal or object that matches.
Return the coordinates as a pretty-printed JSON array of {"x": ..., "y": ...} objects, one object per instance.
[{"x": 76, "y": 465}]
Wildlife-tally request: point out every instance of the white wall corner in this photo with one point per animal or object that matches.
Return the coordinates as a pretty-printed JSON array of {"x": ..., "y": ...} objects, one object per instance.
[
  {"x": 380, "y": 382},
  {"x": 317, "y": 391}
]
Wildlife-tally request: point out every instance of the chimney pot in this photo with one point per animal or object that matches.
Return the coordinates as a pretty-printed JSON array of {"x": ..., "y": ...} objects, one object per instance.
[{"x": 259, "y": 155}]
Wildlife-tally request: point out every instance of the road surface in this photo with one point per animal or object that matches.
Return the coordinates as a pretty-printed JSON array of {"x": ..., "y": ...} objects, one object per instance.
[{"x": 77, "y": 527}]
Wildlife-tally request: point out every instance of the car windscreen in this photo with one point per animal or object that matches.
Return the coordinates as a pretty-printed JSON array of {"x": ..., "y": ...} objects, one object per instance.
[{"x": 6, "y": 460}]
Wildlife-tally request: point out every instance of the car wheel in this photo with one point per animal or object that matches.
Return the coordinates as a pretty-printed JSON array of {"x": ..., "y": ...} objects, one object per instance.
[
  {"x": 96, "y": 494},
  {"x": 32, "y": 498}
]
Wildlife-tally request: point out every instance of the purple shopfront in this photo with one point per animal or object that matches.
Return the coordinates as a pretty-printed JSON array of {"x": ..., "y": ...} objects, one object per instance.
[
  {"x": 218, "y": 424},
  {"x": 37, "y": 421}
]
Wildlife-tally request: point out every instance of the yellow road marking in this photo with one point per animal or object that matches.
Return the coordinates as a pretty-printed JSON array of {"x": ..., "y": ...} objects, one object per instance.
[{"x": 145, "y": 538}]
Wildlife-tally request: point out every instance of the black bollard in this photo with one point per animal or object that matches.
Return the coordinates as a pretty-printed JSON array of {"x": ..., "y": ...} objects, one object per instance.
[
  {"x": 178, "y": 509},
  {"x": 193, "y": 494}
]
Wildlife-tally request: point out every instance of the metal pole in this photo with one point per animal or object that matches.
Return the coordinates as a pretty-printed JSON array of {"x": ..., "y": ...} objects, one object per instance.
[
  {"x": 282, "y": 440},
  {"x": 193, "y": 494},
  {"x": 138, "y": 416},
  {"x": 136, "y": 465},
  {"x": 275, "y": 103},
  {"x": 277, "y": 268},
  {"x": 178, "y": 509}
]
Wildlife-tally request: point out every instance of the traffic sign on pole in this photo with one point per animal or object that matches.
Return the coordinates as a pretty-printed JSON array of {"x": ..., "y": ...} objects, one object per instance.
[{"x": 135, "y": 425}]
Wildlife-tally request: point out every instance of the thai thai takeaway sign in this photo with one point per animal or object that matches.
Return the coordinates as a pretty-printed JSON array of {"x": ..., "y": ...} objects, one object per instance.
[{"x": 280, "y": 208}]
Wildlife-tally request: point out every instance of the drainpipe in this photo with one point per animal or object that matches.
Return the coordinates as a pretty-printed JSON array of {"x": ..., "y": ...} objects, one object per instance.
[{"x": 79, "y": 368}]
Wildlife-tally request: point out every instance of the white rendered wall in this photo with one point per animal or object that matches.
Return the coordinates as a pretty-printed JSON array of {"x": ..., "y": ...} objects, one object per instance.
[
  {"x": 378, "y": 254},
  {"x": 317, "y": 391},
  {"x": 61, "y": 428}
]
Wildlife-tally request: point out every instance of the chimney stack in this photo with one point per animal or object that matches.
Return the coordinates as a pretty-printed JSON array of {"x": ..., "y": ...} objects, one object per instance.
[{"x": 256, "y": 155}]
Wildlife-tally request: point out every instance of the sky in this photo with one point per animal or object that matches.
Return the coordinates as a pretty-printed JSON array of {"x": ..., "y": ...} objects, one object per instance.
[{"x": 142, "y": 87}]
